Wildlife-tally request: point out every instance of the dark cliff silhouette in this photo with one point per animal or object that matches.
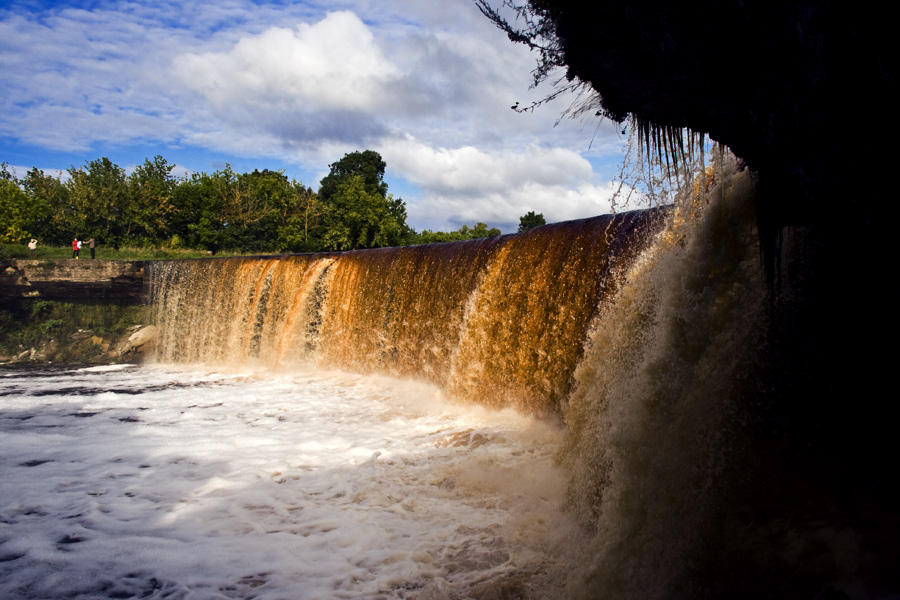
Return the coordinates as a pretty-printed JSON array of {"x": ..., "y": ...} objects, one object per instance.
[{"x": 803, "y": 92}]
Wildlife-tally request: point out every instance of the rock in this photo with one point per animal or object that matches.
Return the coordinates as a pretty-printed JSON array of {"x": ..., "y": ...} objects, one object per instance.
[
  {"x": 143, "y": 336},
  {"x": 110, "y": 280},
  {"x": 140, "y": 341}
]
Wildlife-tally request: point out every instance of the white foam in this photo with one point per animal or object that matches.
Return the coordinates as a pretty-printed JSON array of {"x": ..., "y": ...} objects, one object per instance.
[{"x": 213, "y": 485}]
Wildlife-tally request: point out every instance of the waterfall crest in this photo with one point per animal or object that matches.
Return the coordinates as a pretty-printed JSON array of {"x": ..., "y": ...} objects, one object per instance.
[{"x": 500, "y": 321}]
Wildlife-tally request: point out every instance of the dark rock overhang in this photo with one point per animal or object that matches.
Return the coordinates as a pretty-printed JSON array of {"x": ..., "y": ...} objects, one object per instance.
[{"x": 801, "y": 90}]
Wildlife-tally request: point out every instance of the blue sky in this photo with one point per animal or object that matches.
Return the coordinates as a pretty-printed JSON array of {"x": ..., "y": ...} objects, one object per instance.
[{"x": 295, "y": 86}]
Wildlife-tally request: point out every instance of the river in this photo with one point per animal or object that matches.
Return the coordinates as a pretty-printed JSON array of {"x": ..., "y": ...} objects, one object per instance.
[{"x": 124, "y": 481}]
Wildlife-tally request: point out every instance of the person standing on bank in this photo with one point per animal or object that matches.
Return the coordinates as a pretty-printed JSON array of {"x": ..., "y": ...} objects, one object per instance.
[
  {"x": 91, "y": 246},
  {"x": 32, "y": 246},
  {"x": 75, "y": 248}
]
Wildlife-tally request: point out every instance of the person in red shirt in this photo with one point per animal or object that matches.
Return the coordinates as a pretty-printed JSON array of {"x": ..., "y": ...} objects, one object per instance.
[{"x": 75, "y": 248}]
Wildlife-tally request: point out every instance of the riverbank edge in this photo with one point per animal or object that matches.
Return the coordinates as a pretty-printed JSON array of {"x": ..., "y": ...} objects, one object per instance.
[{"x": 84, "y": 346}]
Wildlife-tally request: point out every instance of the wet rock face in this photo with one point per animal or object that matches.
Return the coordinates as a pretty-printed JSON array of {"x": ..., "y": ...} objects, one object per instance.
[
  {"x": 131, "y": 345},
  {"x": 111, "y": 280},
  {"x": 138, "y": 343}
]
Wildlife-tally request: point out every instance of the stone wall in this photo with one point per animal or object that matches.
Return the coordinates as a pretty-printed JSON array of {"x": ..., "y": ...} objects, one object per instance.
[{"x": 71, "y": 279}]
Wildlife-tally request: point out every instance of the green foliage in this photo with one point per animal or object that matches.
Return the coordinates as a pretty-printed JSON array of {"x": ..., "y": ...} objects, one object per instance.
[
  {"x": 480, "y": 230},
  {"x": 15, "y": 212},
  {"x": 357, "y": 211},
  {"x": 153, "y": 214},
  {"x": 198, "y": 206},
  {"x": 253, "y": 214},
  {"x": 299, "y": 219},
  {"x": 150, "y": 208},
  {"x": 51, "y": 209},
  {"x": 257, "y": 212},
  {"x": 20, "y": 215},
  {"x": 98, "y": 193},
  {"x": 175, "y": 243},
  {"x": 38, "y": 323},
  {"x": 367, "y": 164},
  {"x": 356, "y": 218},
  {"x": 530, "y": 220}
]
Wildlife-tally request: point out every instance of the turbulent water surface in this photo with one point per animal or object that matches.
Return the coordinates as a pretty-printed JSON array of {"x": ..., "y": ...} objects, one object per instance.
[{"x": 120, "y": 482}]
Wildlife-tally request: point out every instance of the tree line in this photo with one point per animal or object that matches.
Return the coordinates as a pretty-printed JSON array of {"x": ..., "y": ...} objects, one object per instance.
[{"x": 262, "y": 211}]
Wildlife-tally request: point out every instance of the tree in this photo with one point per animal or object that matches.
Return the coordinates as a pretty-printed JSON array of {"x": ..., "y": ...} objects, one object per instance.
[
  {"x": 199, "y": 206},
  {"x": 52, "y": 212},
  {"x": 14, "y": 213},
  {"x": 260, "y": 211},
  {"x": 253, "y": 209},
  {"x": 24, "y": 214},
  {"x": 530, "y": 220},
  {"x": 367, "y": 164},
  {"x": 480, "y": 230},
  {"x": 356, "y": 218},
  {"x": 6, "y": 174},
  {"x": 298, "y": 217},
  {"x": 150, "y": 208},
  {"x": 99, "y": 195},
  {"x": 358, "y": 212}
]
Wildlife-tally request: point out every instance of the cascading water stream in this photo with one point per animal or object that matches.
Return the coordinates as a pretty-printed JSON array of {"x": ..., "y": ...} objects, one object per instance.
[
  {"x": 655, "y": 345},
  {"x": 642, "y": 331},
  {"x": 498, "y": 321}
]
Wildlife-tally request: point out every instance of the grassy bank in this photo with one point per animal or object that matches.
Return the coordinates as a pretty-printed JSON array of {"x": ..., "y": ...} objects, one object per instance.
[
  {"x": 52, "y": 331},
  {"x": 103, "y": 253}
]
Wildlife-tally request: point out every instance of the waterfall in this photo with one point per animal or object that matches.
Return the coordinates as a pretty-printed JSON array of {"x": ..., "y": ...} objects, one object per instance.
[
  {"x": 658, "y": 437},
  {"x": 500, "y": 321},
  {"x": 706, "y": 452}
]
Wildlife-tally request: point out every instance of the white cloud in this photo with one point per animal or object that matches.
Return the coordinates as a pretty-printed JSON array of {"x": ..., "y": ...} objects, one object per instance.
[
  {"x": 75, "y": 78},
  {"x": 465, "y": 185},
  {"x": 332, "y": 65},
  {"x": 467, "y": 169},
  {"x": 555, "y": 202}
]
